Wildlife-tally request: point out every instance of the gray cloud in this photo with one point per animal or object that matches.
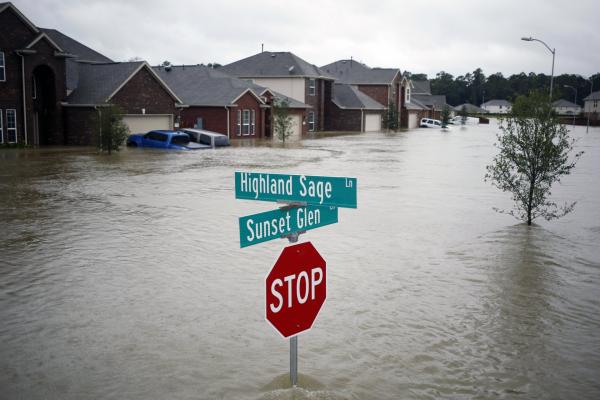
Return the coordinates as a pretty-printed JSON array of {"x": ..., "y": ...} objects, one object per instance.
[{"x": 425, "y": 36}]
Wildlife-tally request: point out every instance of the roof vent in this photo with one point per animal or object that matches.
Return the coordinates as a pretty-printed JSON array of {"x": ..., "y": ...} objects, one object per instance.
[
  {"x": 167, "y": 68},
  {"x": 291, "y": 69},
  {"x": 273, "y": 55}
]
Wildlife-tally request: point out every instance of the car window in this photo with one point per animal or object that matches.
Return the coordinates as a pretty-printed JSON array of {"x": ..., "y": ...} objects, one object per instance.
[
  {"x": 437, "y": 123},
  {"x": 161, "y": 137},
  {"x": 180, "y": 139}
]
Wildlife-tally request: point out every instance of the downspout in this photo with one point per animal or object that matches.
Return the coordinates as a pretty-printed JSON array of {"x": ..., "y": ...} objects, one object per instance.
[
  {"x": 24, "y": 97},
  {"x": 228, "y": 122},
  {"x": 362, "y": 119}
]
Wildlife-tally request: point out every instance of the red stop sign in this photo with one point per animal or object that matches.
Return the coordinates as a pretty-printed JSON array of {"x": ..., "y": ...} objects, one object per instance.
[{"x": 296, "y": 289}]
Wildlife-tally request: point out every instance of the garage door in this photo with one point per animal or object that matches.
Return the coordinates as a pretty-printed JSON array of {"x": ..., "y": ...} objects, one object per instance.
[
  {"x": 147, "y": 122},
  {"x": 372, "y": 123},
  {"x": 296, "y": 128},
  {"x": 412, "y": 120}
]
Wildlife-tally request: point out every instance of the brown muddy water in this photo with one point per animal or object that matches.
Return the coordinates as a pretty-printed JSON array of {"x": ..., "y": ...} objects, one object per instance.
[{"x": 122, "y": 278}]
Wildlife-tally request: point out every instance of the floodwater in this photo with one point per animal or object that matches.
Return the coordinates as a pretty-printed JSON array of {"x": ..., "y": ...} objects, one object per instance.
[{"x": 122, "y": 278}]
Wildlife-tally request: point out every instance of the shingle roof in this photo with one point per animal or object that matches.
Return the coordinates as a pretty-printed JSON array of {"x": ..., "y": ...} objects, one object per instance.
[
  {"x": 564, "y": 103},
  {"x": 436, "y": 101},
  {"x": 593, "y": 96},
  {"x": 496, "y": 102},
  {"x": 98, "y": 81},
  {"x": 471, "y": 109},
  {"x": 349, "y": 97},
  {"x": 353, "y": 72},
  {"x": 198, "y": 85},
  {"x": 415, "y": 105},
  {"x": 421, "y": 87},
  {"x": 273, "y": 64},
  {"x": 74, "y": 47}
]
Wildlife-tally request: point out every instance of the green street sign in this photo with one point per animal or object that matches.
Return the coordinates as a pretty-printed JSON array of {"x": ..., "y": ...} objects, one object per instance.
[
  {"x": 258, "y": 228},
  {"x": 313, "y": 190}
]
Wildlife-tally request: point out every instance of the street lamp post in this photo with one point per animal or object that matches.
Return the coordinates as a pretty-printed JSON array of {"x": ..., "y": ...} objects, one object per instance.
[
  {"x": 553, "y": 51},
  {"x": 590, "y": 110},
  {"x": 575, "y": 89}
]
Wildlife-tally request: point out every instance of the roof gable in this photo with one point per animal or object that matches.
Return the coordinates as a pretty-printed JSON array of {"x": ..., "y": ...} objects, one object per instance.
[
  {"x": 99, "y": 83},
  {"x": 46, "y": 38},
  {"x": 274, "y": 64},
  {"x": 346, "y": 96},
  {"x": 23, "y": 18},
  {"x": 72, "y": 46}
]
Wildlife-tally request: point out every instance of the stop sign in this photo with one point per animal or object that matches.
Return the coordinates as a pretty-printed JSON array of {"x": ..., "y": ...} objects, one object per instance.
[{"x": 295, "y": 289}]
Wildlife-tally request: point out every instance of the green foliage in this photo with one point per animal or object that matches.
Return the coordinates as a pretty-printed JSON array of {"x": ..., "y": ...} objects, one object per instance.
[
  {"x": 111, "y": 130},
  {"x": 534, "y": 154},
  {"x": 463, "y": 113},
  {"x": 391, "y": 117},
  {"x": 445, "y": 116},
  {"x": 470, "y": 88},
  {"x": 282, "y": 121}
]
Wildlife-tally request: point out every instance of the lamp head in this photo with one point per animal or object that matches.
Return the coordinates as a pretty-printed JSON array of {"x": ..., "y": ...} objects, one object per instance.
[{"x": 527, "y": 39}]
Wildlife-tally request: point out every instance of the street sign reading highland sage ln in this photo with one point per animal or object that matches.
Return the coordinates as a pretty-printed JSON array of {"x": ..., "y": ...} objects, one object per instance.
[
  {"x": 274, "y": 224},
  {"x": 314, "y": 190}
]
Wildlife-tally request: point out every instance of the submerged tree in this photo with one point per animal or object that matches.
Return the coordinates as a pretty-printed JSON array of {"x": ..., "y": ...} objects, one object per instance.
[
  {"x": 391, "y": 118},
  {"x": 445, "y": 116},
  {"x": 112, "y": 131},
  {"x": 463, "y": 113},
  {"x": 282, "y": 121},
  {"x": 534, "y": 154}
]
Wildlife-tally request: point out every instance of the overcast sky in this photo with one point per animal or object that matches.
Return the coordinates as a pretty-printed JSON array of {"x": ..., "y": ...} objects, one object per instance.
[{"x": 419, "y": 36}]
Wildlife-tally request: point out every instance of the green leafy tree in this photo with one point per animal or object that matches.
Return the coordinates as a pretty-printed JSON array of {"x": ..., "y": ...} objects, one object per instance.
[
  {"x": 445, "y": 116},
  {"x": 112, "y": 131},
  {"x": 282, "y": 121},
  {"x": 534, "y": 154},
  {"x": 391, "y": 118},
  {"x": 463, "y": 113}
]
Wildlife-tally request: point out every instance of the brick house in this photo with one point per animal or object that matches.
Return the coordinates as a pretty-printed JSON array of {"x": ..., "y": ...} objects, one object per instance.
[
  {"x": 420, "y": 95},
  {"x": 352, "y": 110},
  {"x": 384, "y": 85},
  {"x": 291, "y": 76},
  {"x": 218, "y": 102},
  {"x": 147, "y": 102}
]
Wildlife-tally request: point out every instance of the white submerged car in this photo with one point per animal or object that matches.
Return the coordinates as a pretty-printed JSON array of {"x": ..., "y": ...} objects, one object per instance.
[{"x": 430, "y": 123}]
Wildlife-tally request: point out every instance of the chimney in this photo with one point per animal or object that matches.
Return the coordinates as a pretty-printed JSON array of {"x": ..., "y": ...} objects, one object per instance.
[{"x": 262, "y": 47}]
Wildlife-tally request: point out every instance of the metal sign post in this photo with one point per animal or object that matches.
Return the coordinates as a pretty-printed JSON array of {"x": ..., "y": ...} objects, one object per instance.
[{"x": 294, "y": 360}]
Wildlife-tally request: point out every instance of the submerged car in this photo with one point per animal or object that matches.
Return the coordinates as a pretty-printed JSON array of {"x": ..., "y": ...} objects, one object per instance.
[
  {"x": 160, "y": 139},
  {"x": 209, "y": 138},
  {"x": 430, "y": 123}
]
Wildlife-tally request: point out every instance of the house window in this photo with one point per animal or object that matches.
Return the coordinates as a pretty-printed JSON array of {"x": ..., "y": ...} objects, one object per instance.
[
  {"x": 311, "y": 121},
  {"x": 595, "y": 103},
  {"x": 2, "y": 68},
  {"x": 239, "y": 122},
  {"x": 253, "y": 123},
  {"x": 312, "y": 87},
  {"x": 1, "y": 129},
  {"x": 407, "y": 95},
  {"x": 11, "y": 126},
  {"x": 245, "y": 122}
]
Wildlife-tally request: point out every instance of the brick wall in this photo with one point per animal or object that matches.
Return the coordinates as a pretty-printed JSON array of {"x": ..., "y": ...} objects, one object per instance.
[
  {"x": 344, "y": 120},
  {"x": 80, "y": 125},
  {"x": 379, "y": 93},
  {"x": 144, "y": 91}
]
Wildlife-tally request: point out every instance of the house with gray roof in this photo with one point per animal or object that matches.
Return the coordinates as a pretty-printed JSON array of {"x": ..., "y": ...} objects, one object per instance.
[
  {"x": 565, "y": 107},
  {"x": 354, "y": 111},
  {"x": 290, "y": 75},
  {"x": 591, "y": 105},
  {"x": 384, "y": 85},
  {"x": 218, "y": 102},
  {"x": 146, "y": 100},
  {"x": 497, "y": 106}
]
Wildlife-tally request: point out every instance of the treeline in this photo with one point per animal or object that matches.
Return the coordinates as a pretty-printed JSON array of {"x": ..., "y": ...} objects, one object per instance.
[{"x": 475, "y": 88}]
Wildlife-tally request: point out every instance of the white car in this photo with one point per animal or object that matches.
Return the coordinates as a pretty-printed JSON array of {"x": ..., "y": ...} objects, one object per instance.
[
  {"x": 208, "y": 138},
  {"x": 430, "y": 123}
]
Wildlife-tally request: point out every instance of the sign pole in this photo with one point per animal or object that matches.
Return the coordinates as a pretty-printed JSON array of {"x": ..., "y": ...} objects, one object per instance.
[
  {"x": 293, "y": 238},
  {"x": 294, "y": 360}
]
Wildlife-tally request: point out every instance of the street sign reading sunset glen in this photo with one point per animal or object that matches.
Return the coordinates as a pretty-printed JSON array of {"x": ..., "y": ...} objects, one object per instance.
[
  {"x": 312, "y": 190},
  {"x": 262, "y": 227}
]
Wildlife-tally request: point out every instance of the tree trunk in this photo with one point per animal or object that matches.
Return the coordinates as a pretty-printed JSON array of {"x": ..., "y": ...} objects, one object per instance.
[{"x": 529, "y": 203}]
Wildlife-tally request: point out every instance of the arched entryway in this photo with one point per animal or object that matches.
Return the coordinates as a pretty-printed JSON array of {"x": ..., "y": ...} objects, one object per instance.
[{"x": 43, "y": 94}]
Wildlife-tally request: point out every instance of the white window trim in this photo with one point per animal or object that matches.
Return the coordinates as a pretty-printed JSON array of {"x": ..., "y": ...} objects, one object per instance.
[
  {"x": 246, "y": 124},
  {"x": 1, "y": 128},
  {"x": 314, "y": 87},
  {"x": 3, "y": 67},
  {"x": 253, "y": 122},
  {"x": 311, "y": 121},
  {"x": 407, "y": 95},
  {"x": 11, "y": 129},
  {"x": 239, "y": 122}
]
